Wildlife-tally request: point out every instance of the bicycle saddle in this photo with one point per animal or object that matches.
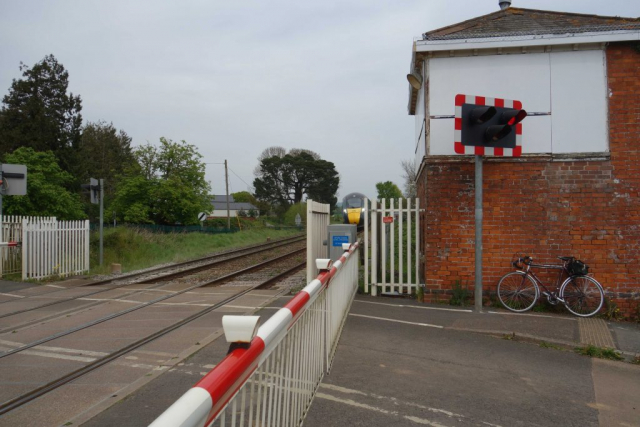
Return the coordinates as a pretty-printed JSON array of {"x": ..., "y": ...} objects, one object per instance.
[{"x": 565, "y": 258}]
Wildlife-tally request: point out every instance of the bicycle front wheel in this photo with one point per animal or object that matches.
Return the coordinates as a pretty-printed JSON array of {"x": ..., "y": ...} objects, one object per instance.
[
  {"x": 582, "y": 295},
  {"x": 517, "y": 291}
]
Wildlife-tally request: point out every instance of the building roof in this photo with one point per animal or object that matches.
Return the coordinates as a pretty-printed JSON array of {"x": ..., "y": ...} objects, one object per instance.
[
  {"x": 219, "y": 202},
  {"x": 515, "y": 21},
  {"x": 223, "y": 198}
]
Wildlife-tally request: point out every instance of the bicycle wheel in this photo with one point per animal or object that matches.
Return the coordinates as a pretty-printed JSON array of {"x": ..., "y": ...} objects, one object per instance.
[
  {"x": 517, "y": 291},
  {"x": 582, "y": 295}
]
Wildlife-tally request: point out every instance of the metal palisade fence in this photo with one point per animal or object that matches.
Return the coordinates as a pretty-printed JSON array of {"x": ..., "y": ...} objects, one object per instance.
[
  {"x": 54, "y": 248},
  {"x": 274, "y": 380},
  {"x": 318, "y": 216}
]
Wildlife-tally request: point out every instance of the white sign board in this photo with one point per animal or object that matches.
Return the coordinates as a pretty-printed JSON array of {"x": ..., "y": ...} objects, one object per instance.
[
  {"x": 202, "y": 216},
  {"x": 14, "y": 180}
]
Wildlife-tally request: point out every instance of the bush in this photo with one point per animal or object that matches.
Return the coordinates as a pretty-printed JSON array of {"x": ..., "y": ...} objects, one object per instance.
[
  {"x": 459, "y": 296},
  {"x": 290, "y": 215}
]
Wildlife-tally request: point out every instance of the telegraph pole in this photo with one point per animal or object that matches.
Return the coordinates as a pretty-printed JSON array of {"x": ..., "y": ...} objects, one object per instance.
[{"x": 226, "y": 178}]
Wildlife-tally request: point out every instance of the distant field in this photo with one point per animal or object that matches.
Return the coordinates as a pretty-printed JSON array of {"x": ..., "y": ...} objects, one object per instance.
[{"x": 136, "y": 249}]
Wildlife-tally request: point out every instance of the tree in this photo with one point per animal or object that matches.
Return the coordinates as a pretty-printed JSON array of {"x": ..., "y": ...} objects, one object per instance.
[
  {"x": 105, "y": 152},
  {"x": 166, "y": 186},
  {"x": 388, "y": 190},
  {"x": 409, "y": 168},
  {"x": 46, "y": 187},
  {"x": 285, "y": 180},
  {"x": 38, "y": 112},
  {"x": 244, "y": 197}
]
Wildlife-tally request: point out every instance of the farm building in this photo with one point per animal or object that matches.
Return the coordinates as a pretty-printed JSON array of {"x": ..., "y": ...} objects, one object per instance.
[{"x": 575, "y": 190}]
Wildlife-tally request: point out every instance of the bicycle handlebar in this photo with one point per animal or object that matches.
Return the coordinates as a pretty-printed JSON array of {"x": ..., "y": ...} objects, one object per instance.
[{"x": 522, "y": 260}]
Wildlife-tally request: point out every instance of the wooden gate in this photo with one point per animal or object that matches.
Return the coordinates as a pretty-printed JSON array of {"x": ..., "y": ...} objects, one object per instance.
[{"x": 392, "y": 247}]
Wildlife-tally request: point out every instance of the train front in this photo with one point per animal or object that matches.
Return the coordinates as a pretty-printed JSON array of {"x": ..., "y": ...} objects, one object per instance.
[{"x": 353, "y": 208}]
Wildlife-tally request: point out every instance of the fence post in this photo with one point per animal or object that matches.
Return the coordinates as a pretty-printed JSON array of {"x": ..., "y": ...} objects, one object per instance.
[
  {"x": 86, "y": 245},
  {"x": 25, "y": 245}
]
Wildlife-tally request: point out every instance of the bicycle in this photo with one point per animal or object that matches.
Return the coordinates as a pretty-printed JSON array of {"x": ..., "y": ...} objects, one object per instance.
[{"x": 582, "y": 295}]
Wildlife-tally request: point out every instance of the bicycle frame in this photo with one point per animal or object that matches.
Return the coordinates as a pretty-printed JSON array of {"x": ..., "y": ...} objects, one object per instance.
[{"x": 559, "y": 281}]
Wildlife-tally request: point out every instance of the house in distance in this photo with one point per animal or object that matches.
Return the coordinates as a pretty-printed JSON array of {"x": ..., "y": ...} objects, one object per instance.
[{"x": 219, "y": 207}]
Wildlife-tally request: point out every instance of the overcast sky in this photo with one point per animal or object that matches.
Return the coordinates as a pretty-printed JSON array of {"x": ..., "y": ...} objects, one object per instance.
[{"x": 235, "y": 77}]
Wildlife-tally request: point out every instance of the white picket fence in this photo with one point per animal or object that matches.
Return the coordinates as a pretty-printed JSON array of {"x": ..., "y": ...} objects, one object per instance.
[
  {"x": 11, "y": 257},
  {"x": 318, "y": 216},
  {"x": 54, "y": 249},
  {"x": 47, "y": 247}
]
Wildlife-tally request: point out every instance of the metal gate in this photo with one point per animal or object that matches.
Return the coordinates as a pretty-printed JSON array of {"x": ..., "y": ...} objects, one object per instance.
[{"x": 392, "y": 246}]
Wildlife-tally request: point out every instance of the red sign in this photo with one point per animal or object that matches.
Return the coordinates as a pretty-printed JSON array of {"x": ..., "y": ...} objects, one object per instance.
[{"x": 387, "y": 219}]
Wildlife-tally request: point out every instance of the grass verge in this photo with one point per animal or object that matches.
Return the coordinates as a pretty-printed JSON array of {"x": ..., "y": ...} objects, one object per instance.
[
  {"x": 599, "y": 352},
  {"x": 136, "y": 249}
]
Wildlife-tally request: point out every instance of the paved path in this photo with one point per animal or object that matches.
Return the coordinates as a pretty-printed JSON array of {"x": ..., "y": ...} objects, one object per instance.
[{"x": 405, "y": 364}]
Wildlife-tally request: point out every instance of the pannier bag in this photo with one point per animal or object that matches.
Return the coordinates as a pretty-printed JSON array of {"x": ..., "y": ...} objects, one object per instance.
[{"x": 578, "y": 268}]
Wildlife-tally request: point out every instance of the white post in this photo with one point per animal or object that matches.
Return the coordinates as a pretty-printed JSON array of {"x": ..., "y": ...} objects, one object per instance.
[
  {"x": 400, "y": 239},
  {"x": 311, "y": 255},
  {"x": 374, "y": 250},
  {"x": 383, "y": 259},
  {"x": 25, "y": 252},
  {"x": 392, "y": 248},
  {"x": 409, "y": 214},
  {"x": 367, "y": 212}
]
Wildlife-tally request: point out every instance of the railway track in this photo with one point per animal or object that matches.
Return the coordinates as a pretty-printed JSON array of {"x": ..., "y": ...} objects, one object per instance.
[
  {"x": 275, "y": 268},
  {"x": 175, "y": 270}
]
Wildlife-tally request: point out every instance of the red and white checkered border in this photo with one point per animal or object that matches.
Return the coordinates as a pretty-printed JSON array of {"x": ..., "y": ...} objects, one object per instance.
[{"x": 485, "y": 151}]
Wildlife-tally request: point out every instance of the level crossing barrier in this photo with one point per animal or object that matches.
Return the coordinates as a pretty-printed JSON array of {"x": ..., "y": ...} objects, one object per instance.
[{"x": 272, "y": 381}]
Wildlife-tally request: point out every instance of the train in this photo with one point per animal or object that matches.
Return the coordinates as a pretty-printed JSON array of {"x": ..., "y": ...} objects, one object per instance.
[{"x": 354, "y": 209}]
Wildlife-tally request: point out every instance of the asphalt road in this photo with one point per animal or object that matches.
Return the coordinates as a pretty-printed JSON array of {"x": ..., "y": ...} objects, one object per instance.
[
  {"x": 404, "y": 374},
  {"x": 413, "y": 374}
]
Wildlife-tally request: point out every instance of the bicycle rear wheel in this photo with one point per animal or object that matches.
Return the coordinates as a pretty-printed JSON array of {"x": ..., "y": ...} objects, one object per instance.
[
  {"x": 582, "y": 295},
  {"x": 517, "y": 291}
]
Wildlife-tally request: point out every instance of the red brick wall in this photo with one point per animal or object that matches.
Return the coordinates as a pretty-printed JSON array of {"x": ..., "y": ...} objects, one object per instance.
[{"x": 589, "y": 209}]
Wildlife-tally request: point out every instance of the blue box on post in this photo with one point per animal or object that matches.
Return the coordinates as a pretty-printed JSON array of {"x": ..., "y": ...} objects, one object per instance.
[{"x": 337, "y": 235}]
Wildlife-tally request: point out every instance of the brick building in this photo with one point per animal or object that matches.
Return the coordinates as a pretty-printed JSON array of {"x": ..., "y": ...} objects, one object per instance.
[{"x": 576, "y": 188}]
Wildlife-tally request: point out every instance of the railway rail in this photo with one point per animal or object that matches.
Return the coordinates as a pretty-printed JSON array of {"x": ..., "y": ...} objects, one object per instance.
[
  {"x": 199, "y": 265},
  {"x": 49, "y": 386}
]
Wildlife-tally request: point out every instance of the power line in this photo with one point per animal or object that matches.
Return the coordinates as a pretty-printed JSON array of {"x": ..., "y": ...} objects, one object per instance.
[{"x": 250, "y": 186}]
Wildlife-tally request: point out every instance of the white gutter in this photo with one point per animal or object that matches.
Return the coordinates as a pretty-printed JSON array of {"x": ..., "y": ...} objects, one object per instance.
[{"x": 528, "y": 40}]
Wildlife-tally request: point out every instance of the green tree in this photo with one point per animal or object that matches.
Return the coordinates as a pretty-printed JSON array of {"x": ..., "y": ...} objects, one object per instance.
[
  {"x": 244, "y": 197},
  {"x": 46, "y": 187},
  {"x": 38, "y": 113},
  {"x": 285, "y": 179},
  {"x": 167, "y": 186},
  {"x": 410, "y": 176},
  {"x": 105, "y": 152},
  {"x": 388, "y": 190}
]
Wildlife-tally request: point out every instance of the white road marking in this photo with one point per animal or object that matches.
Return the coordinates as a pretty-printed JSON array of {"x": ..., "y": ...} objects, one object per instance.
[
  {"x": 12, "y": 295},
  {"x": 350, "y": 402},
  {"x": 56, "y": 286},
  {"x": 54, "y": 355},
  {"x": 397, "y": 321},
  {"x": 397, "y": 402},
  {"x": 416, "y": 306},
  {"x": 354, "y": 403}
]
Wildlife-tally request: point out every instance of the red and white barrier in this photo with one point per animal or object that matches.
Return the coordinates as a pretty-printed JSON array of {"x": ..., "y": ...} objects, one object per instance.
[
  {"x": 273, "y": 381},
  {"x": 10, "y": 244}
]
